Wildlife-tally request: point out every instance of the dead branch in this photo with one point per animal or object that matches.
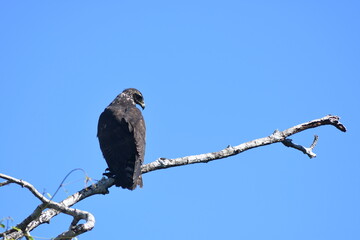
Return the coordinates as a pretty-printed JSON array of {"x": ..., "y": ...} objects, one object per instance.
[
  {"x": 39, "y": 216},
  {"x": 58, "y": 207},
  {"x": 308, "y": 151},
  {"x": 277, "y": 136}
]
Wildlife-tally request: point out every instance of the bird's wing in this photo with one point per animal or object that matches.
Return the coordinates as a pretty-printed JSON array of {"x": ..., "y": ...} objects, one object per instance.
[
  {"x": 118, "y": 145},
  {"x": 137, "y": 127}
]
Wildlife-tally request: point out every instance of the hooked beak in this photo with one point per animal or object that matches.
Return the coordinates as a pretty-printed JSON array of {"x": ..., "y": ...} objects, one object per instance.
[{"x": 142, "y": 105}]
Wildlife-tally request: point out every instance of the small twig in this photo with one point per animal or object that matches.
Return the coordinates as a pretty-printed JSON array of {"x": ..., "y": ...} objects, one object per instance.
[
  {"x": 4, "y": 183},
  {"x": 67, "y": 175},
  {"x": 316, "y": 139},
  {"x": 308, "y": 151},
  {"x": 27, "y": 185}
]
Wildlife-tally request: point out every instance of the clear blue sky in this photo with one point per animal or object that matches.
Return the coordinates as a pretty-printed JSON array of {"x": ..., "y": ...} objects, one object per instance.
[{"x": 213, "y": 73}]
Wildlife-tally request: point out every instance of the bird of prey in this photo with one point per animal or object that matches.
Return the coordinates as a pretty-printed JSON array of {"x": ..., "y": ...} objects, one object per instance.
[{"x": 121, "y": 134}]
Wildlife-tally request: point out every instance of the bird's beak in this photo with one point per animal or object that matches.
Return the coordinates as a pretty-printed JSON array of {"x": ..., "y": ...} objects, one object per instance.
[{"x": 142, "y": 105}]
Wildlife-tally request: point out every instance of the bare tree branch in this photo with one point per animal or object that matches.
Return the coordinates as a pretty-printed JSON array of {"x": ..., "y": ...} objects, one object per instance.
[
  {"x": 277, "y": 136},
  {"x": 4, "y": 183},
  {"x": 46, "y": 203},
  {"x": 308, "y": 151},
  {"x": 27, "y": 185},
  {"x": 39, "y": 216}
]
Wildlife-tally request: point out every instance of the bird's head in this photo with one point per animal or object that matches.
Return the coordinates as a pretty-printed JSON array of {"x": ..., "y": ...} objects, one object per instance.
[{"x": 136, "y": 96}]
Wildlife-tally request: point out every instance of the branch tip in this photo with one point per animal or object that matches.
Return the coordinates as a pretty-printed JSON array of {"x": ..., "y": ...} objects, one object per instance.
[
  {"x": 335, "y": 121},
  {"x": 316, "y": 139}
]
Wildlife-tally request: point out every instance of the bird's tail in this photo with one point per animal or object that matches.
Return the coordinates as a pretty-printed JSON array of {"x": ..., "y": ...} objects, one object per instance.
[
  {"x": 129, "y": 178},
  {"x": 139, "y": 182}
]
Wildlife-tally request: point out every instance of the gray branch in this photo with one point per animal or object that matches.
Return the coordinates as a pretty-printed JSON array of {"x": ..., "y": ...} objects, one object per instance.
[
  {"x": 308, "y": 151},
  {"x": 4, "y": 183},
  {"x": 58, "y": 207},
  {"x": 39, "y": 216},
  {"x": 277, "y": 136}
]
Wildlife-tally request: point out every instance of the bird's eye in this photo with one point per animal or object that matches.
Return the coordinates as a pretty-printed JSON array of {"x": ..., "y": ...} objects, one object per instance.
[{"x": 138, "y": 97}]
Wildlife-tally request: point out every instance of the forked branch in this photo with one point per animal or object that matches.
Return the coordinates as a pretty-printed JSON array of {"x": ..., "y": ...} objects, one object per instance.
[
  {"x": 39, "y": 216},
  {"x": 277, "y": 136},
  {"x": 74, "y": 230}
]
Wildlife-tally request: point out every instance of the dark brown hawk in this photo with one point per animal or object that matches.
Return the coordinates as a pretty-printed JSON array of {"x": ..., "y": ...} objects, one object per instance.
[{"x": 121, "y": 133}]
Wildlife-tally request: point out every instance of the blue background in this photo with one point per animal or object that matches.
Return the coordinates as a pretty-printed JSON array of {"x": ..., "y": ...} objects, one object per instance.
[{"x": 213, "y": 74}]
